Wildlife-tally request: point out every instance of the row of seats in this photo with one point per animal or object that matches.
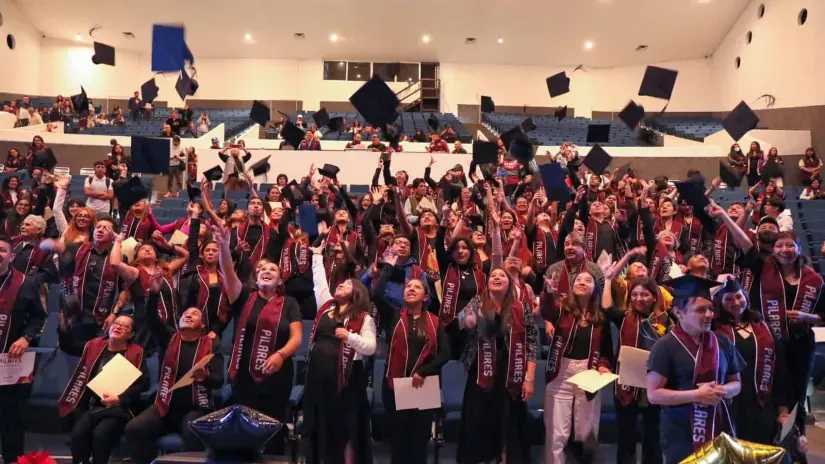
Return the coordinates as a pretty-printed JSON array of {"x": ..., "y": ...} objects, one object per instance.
[
  {"x": 234, "y": 120},
  {"x": 550, "y": 131},
  {"x": 693, "y": 129}
]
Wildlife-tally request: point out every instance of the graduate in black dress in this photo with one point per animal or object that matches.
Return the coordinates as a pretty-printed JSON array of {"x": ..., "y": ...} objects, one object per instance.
[
  {"x": 691, "y": 371},
  {"x": 500, "y": 357},
  {"x": 267, "y": 334},
  {"x": 419, "y": 347},
  {"x": 336, "y": 409}
]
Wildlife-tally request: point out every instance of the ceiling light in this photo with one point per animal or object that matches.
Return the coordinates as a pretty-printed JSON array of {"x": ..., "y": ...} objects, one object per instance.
[
  {"x": 426, "y": 39},
  {"x": 358, "y": 76},
  {"x": 588, "y": 45},
  {"x": 333, "y": 37},
  {"x": 248, "y": 37},
  {"x": 501, "y": 41},
  {"x": 78, "y": 37}
]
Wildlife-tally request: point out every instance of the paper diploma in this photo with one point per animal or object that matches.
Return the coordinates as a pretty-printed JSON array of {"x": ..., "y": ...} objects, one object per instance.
[
  {"x": 127, "y": 248},
  {"x": 16, "y": 370},
  {"x": 189, "y": 377},
  {"x": 591, "y": 380},
  {"x": 115, "y": 377},
  {"x": 633, "y": 367},
  {"x": 788, "y": 425},
  {"x": 178, "y": 238},
  {"x": 428, "y": 396}
]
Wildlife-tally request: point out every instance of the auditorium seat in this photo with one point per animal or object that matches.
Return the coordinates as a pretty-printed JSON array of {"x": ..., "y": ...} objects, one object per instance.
[
  {"x": 550, "y": 131},
  {"x": 453, "y": 379},
  {"x": 380, "y": 424},
  {"x": 693, "y": 128},
  {"x": 53, "y": 369},
  {"x": 48, "y": 338},
  {"x": 408, "y": 121},
  {"x": 535, "y": 407},
  {"x": 171, "y": 443}
]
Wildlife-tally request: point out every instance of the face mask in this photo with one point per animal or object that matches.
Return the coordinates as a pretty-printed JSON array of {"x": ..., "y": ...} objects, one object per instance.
[
  {"x": 767, "y": 237},
  {"x": 737, "y": 149}
]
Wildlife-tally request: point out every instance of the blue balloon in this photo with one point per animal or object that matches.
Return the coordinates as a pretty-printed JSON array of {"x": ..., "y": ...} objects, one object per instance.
[{"x": 235, "y": 430}]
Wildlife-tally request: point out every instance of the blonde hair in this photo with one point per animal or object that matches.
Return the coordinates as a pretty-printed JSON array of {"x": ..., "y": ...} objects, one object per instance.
[{"x": 73, "y": 234}]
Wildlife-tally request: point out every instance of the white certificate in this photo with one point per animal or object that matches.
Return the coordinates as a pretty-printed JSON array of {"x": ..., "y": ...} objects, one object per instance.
[
  {"x": 127, "y": 248},
  {"x": 189, "y": 377},
  {"x": 178, "y": 238},
  {"x": 592, "y": 380},
  {"x": 428, "y": 396},
  {"x": 633, "y": 367},
  {"x": 819, "y": 334},
  {"x": 115, "y": 377},
  {"x": 17, "y": 370}
]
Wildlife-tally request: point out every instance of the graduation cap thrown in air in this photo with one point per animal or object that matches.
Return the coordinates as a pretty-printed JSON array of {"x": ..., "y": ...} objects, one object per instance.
[
  {"x": 259, "y": 112},
  {"x": 150, "y": 155},
  {"x": 560, "y": 113},
  {"x": 213, "y": 174},
  {"x": 485, "y": 152},
  {"x": 729, "y": 177},
  {"x": 771, "y": 170},
  {"x": 81, "y": 102},
  {"x": 511, "y": 135},
  {"x": 558, "y": 84},
  {"x": 522, "y": 150},
  {"x": 104, "y": 54},
  {"x": 169, "y": 50},
  {"x": 261, "y": 167},
  {"x": 193, "y": 191},
  {"x": 527, "y": 125},
  {"x": 693, "y": 193},
  {"x": 329, "y": 170},
  {"x": 598, "y": 133},
  {"x": 597, "y": 160},
  {"x": 632, "y": 114},
  {"x": 376, "y": 102},
  {"x": 292, "y": 134},
  {"x": 487, "y": 105},
  {"x": 658, "y": 82},
  {"x": 186, "y": 86},
  {"x": 149, "y": 90},
  {"x": 552, "y": 176},
  {"x": 130, "y": 192},
  {"x": 740, "y": 121}
]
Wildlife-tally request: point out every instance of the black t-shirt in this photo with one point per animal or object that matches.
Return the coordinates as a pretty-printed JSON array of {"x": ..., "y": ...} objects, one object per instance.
[
  {"x": 175, "y": 125},
  {"x": 580, "y": 345},
  {"x": 22, "y": 253},
  {"x": 671, "y": 360},
  {"x": 291, "y": 313},
  {"x": 93, "y": 272},
  {"x": 182, "y": 397}
]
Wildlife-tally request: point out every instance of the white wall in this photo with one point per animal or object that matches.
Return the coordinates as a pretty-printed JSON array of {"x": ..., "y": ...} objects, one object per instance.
[
  {"x": 783, "y": 59},
  {"x": 19, "y": 68},
  {"x": 607, "y": 89}
]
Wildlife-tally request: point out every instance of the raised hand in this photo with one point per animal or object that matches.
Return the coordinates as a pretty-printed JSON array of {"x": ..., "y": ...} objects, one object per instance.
[
  {"x": 551, "y": 285},
  {"x": 319, "y": 249}
]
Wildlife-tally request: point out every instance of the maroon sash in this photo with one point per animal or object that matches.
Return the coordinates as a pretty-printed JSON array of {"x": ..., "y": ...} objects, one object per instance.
[
  {"x": 400, "y": 349},
  {"x": 566, "y": 328},
  {"x": 563, "y": 292},
  {"x": 640, "y": 235},
  {"x": 591, "y": 235},
  {"x": 169, "y": 374},
  {"x": 765, "y": 362},
  {"x": 263, "y": 340},
  {"x": 167, "y": 309},
  {"x": 36, "y": 258},
  {"x": 346, "y": 354},
  {"x": 657, "y": 264},
  {"x": 106, "y": 293},
  {"x": 203, "y": 295},
  {"x": 260, "y": 247},
  {"x": 80, "y": 379},
  {"x": 772, "y": 295},
  {"x": 300, "y": 250},
  {"x": 747, "y": 280},
  {"x": 9, "y": 290},
  {"x": 452, "y": 285},
  {"x": 424, "y": 250},
  {"x": 628, "y": 336},
  {"x": 706, "y": 421},
  {"x": 359, "y": 230},
  {"x": 516, "y": 358},
  {"x": 140, "y": 229},
  {"x": 540, "y": 249},
  {"x": 720, "y": 246},
  {"x": 336, "y": 236}
]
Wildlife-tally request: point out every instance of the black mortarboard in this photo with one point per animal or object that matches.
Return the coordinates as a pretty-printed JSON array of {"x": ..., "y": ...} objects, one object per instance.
[
  {"x": 321, "y": 117},
  {"x": 329, "y": 170},
  {"x": 476, "y": 223},
  {"x": 658, "y": 82},
  {"x": 693, "y": 194},
  {"x": 336, "y": 124},
  {"x": 213, "y": 174},
  {"x": 485, "y": 152},
  {"x": 731, "y": 285},
  {"x": 259, "y": 112},
  {"x": 512, "y": 134},
  {"x": 450, "y": 190},
  {"x": 185, "y": 86},
  {"x": 81, "y": 102},
  {"x": 44, "y": 159},
  {"x": 432, "y": 121},
  {"x": 260, "y": 167},
  {"x": 552, "y": 176},
  {"x": 376, "y": 102},
  {"x": 150, "y": 155},
  {"x": 292, "y": 134},
  {"x": 739, "y": 121},
  {"x": 558, "y": 84},
  {"x": 689, "y": 285},
  {"x": 130, "y": 192},
  {"x": 623, "y": 170},
  {"x": 527, "y": 125},
  {"x": 193, "y": 190},
  {"x": 522, "y": 150},
  {"x": 632, "y": 114},
  {"x": 308, "y": 219},
  {"x": 487, "y": 105},
  {"x": 771, "y": 170},
  {"x": 149, "y": 91},
  {"x": 104, "y": 54},
  {"x": 598, "y": 133},
  {"x": 597, "y": 160},
  {"x": 560, "y": 113},
  {"x": 393, "y": 135},
  {"x": 169, "y": 50},
  {"x": 729, "y": 177}
]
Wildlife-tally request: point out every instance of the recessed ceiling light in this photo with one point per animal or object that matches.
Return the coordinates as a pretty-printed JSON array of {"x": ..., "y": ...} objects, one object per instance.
[
  {"x": 248, "y": 37},
  {"x": 703, "y": 1},
  {"x": 501, "y": 41},
  {"x": 425, "y": 39},
  {"x": 78, "y": 37},
  {"x": 358, "y": 76},
  {"x": 588, "y": 45},
  {"x": 333, "y": 37}
]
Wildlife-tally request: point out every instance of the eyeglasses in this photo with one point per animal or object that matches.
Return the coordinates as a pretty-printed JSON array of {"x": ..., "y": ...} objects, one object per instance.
[{"x": 122, "y": 325}]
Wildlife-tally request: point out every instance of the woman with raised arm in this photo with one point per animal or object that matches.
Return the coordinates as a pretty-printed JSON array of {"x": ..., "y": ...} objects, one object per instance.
[
  {"x": 267, "y": 334},
  {"x": 500, "y": 357},
  {"x": 336, "y": 410}
]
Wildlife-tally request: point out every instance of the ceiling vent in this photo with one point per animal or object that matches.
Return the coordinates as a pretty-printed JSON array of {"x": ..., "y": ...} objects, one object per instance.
[
  {"x": 129, "y": 35},
  {"x": 641, "y": 48},
  {"x": 299, "y": 36},
  {"x": 470, "y": 41}
]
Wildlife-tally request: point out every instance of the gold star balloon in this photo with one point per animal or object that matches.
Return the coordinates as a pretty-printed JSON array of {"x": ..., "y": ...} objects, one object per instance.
[{"x": 725, "y": 449}]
